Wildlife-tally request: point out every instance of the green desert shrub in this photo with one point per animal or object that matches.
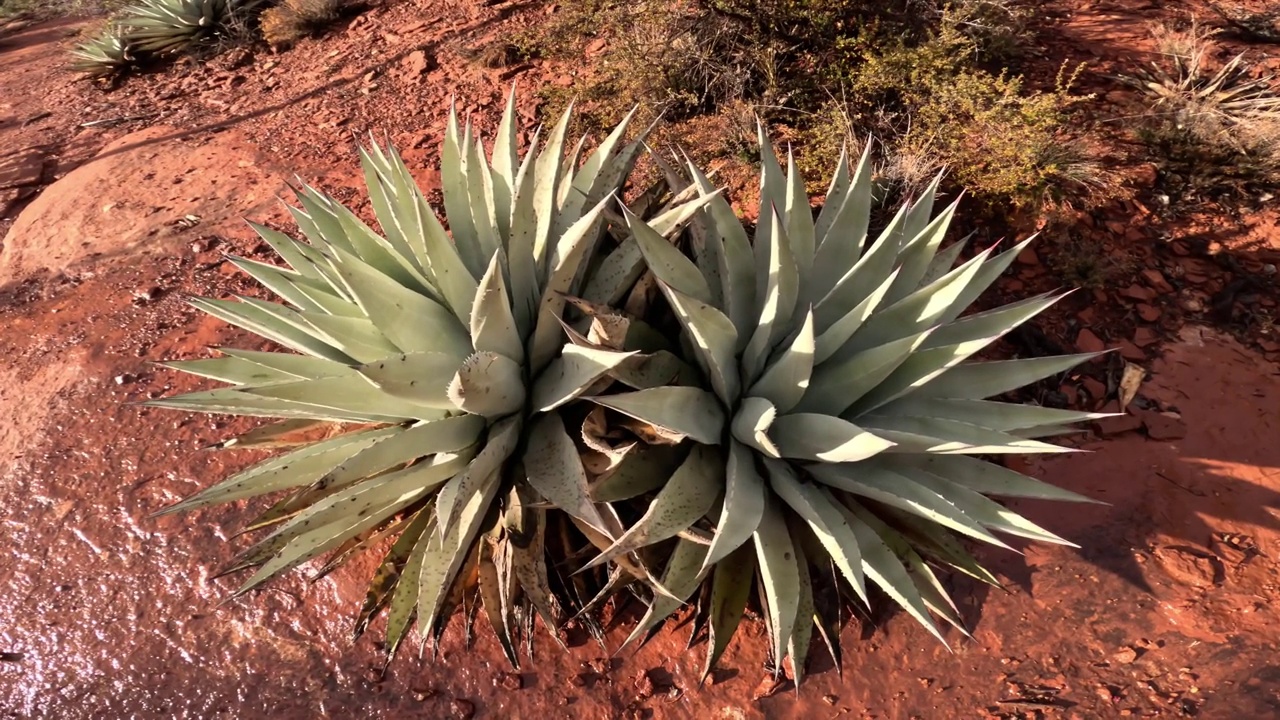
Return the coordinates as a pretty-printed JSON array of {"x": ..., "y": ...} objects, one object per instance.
[{"x": 926, "y": 79}]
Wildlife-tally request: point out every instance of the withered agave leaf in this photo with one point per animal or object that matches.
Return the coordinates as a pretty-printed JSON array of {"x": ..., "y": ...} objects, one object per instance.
[
  {"x": 842, "y": 397},
  {"x": 448, "y": 352}
]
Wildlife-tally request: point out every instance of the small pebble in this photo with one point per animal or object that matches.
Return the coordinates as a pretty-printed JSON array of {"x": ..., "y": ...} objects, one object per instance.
[{"x": 462, "y": 709}]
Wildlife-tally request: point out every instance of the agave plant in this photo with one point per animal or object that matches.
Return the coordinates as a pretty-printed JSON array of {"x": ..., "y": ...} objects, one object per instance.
[
  {"x": 843, "y": 423},
  {"x": 448, "y": 357},
  {"x": 104, "y": 55},
  {"x": 166, "y": 26},
  {"x": 829, "y": 413}
]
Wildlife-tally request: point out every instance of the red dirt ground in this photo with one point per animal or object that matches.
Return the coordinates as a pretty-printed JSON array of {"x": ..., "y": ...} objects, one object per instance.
[{"x": 1168, "y": 610}]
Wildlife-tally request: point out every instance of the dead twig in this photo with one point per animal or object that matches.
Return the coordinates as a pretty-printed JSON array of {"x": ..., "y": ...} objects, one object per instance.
[
  {"x": 34, "y": 118},
  {"x": 109, "y": 122}
]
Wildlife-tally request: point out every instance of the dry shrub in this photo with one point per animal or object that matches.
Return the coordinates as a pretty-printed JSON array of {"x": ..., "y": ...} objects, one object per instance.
[
  {"x": 291, "y": 20},
  {"x": 1261, "y": 25},
  {"x": 997, "y": 30},
  {"x": 498, "y": 53},
  {"x": 1082, "y": 261},
  {"x": 678, "y": 59}
]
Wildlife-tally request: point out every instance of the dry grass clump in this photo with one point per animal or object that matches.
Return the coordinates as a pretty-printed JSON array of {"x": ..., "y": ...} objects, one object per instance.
[{"x": 1218, "y": 121}]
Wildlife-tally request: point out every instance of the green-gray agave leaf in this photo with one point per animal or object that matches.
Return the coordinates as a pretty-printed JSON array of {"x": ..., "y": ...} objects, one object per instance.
[
  {"x": 840, "y": 398},
  {"x": 164, "y": 26},
  {"x": 104, "y": 55},
  {"x": 446, "y": 351}
]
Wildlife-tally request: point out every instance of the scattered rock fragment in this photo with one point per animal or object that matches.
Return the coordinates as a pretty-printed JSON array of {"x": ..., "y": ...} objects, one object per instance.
[
  {"x": 644, "y": 684},
  {"x": 461, "y": 709},
  {"x": 1071, "y": 393},
  {"x": 1118, "y": 425},
  {"x": 597, "y": 46},
  {"x": 1188, "y": 565},
  {"x": 1097, "y": 391},
  {"x": 1139, "y": 293},
  {"x": 11, "y": 198},
  {"x": 1145, "y": 175},
  {"x": 508, "y": 681},
  {"x": 23, "y": 168},
  {"x": 416, "y": 64},
  {"x": 1088, "y": 342},
  {"x": 1142, "y": 337},
  {"x": 1130, "y": 351},
  {"x": 1156, "y": 280},
  {"x": 1163, "y": 426},
  {"x": 1191, "y": 303}
]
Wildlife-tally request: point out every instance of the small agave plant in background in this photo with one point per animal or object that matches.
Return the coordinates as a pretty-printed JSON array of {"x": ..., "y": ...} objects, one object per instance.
[
  {"x": 813, "y": 403},
  {"x": 159, "y": 27},
  {"x": 104, "y": 55},
  {"x": 166, "y": 26}
]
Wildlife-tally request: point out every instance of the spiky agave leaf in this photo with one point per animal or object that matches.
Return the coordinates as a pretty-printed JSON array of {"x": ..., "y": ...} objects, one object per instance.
[
  {"x": 104, "y": 55},
  {"x": 446, "y": 350},
  {"x": 165, "y": 26},
  {"x": 845, "y": 413}
]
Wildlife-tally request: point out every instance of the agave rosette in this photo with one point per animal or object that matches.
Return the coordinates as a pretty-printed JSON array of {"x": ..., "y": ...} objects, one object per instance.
[
  {"x": 104, "y": 55},
  {"x": 843, "y": 420},
  {"x": 446, "y": 350},
  {"x": 165, "y": 26}
]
